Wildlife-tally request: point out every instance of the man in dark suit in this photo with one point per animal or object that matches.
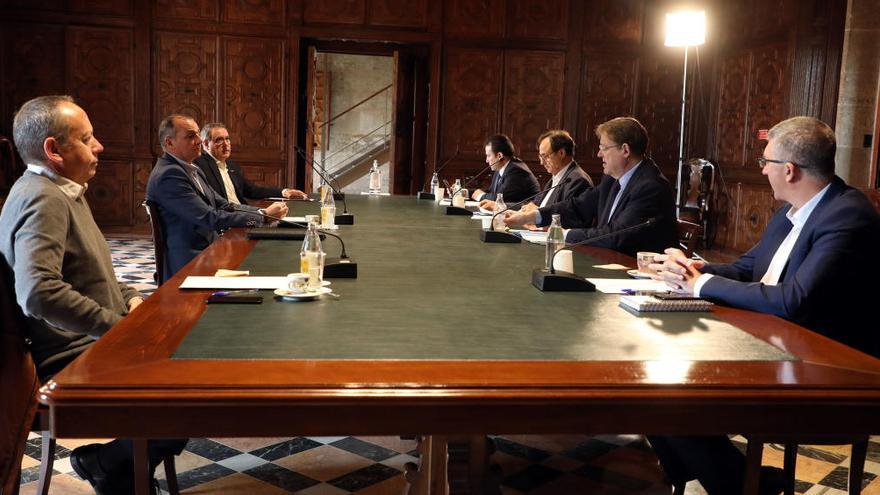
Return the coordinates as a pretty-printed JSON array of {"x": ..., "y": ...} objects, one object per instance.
[
  {"x": 814, "y": 266},
  {"x": 556, "y": 152},
  {"x": 632, "y": 191},
  {"x": 511, "y": 176},
  {"x": 225, "y": 177},
  {"x": 190, "y": 212}
]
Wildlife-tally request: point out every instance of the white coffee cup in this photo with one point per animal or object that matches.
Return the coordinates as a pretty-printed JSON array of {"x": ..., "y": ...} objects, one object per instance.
[
  {"x": 645, "y": 258},
  {"x": 487, "y": 222},
  {"x": 439, "y": 192},
  {"x": 458, "y": 200},
  {"x": 563, "y": 262},
  {"x": 297, "y": 282}
]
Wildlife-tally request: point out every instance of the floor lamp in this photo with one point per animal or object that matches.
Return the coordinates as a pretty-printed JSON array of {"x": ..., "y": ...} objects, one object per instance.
[{"x": 685, "y": 29}]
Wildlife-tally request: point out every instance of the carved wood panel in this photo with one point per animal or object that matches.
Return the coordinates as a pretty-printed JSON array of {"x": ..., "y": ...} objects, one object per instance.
[
  {"x": 533, "y": 96},
  {"x": 771, "y": 17},
  {"x": 53, "y": 5},
  {"x": 112, "y": 7},
  {"x": 470, "y": 18},
  {"x": 265, "y": 175},
  {"x": 100, "y": 75},
  {"x": 768, "y": 102},
  {"x": 335, "y": 11},
  {"x": 613, "y": 21},
  {"x": 22, "y": 45},
  {"x": 399, "y": 13},
  {"x": 254, "y": 95},
  {"x": 186, "y": 76},
  {"x": 109, "y": 193},
  {"x": 755, "y": 206},
  {"x": 197, "y": 10},
  {"x": 544, "y": 19},
  {"x": 660, "y": 108},
  {"x": 254, "y": 11},
  {"x": 470, "y": 107},
  {"x": 609, "y": 90},
  {"x": 730, "y": 131}
]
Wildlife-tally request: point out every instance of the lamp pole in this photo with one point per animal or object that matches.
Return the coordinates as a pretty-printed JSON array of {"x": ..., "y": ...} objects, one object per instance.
[{"x": 681, "y": 135}]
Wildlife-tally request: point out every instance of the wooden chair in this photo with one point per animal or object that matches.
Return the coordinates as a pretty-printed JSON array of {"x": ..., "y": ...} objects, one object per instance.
[
  {"x": 689, "y": 235},
  {"x": 158, "y": 239},
  {"x": 18, "y": 402},
  {"x": 756, "y": 448}
]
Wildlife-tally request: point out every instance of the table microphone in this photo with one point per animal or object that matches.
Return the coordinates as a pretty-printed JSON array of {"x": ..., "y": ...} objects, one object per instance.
[
  {"x": 344, "y": 218},
  {"x": 341, "y": 267},
  {"x": 492, "y": 235},
  {"x": 458, "y": 210},
  {"x": 430, "y": 194},
  {"x": 552, "y": 281}
]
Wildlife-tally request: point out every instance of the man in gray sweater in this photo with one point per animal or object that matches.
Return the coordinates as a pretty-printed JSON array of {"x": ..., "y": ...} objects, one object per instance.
[{"x": 60, "y": 263}]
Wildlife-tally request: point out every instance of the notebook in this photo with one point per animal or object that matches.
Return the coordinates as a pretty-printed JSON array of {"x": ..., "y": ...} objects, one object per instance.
[{"x": 651, "y": 303}]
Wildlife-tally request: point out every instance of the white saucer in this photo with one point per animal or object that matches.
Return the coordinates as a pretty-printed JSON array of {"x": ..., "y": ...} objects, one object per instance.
[
  {"x": 287, "y": 295},
  {"x": 637, "y": 274}
]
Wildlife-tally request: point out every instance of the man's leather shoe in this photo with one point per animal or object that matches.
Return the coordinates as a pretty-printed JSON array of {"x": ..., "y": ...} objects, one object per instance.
[
  {"x": 84, "y": 461},
  {"x": 773, "y": 481}
]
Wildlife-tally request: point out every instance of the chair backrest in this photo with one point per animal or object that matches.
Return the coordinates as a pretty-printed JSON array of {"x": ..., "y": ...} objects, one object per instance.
[
  {"x": 689, "y": 235},
  {"x": 18, "y": 382},
  {"x": 158, "y": 239}
]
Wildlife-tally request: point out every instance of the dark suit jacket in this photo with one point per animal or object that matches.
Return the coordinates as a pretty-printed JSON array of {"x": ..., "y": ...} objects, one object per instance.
[
  {"x": 580, "y": 182},
  {"x": 647, "y": 195},
  {"x": 827, "y": 283},
  {"x": 190, "y": 220},
  {"x": 243, "y": 188},
  {"x": 517, "y": 183}
]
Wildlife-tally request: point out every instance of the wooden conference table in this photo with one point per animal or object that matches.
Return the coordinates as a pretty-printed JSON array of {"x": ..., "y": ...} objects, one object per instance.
[{"x": 442, "y": 335}]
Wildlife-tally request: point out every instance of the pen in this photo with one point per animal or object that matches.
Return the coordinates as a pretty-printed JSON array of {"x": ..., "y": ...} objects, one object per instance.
[{"x": 231, "y": 292}]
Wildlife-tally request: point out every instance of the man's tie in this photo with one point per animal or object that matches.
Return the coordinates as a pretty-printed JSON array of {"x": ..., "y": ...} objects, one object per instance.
[
  {"x": 609, "y": 205},
  {"x": 495, "y": 186}
]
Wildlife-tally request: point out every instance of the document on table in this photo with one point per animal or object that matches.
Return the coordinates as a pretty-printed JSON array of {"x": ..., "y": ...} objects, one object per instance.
[
  {"x": 622, "y": 285},
  {"x": 535, "y": 237},
  {"x": 193, "y": 282},
  {"x": 294, "y": 219}
]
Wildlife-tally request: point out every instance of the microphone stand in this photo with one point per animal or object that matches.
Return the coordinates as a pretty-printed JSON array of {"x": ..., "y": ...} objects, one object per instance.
[
  {"x": 458, "y": 210},
  {"x": 552, "y": 281},
  {"x": 344, "y": 218},
  {"x": 492, "y": 235},
  {"x": 430, "y": 194},
  {"x": 341, "y": 267}
]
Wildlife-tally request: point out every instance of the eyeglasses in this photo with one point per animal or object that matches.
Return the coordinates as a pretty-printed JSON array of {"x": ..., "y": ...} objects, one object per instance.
[
  {"x": 762, "y": 162},
  {"x": 605, "y": 147},
  {"x": 542, "y": 156},
  {"x": 218, "y": 140}
]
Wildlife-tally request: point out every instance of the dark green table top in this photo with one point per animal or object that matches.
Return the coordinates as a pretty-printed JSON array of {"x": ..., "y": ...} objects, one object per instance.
[{"x": 427, "y": 288}]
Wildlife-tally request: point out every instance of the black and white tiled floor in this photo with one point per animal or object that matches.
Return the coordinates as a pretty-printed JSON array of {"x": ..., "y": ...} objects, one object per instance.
[{"x": 540, "y": 464}]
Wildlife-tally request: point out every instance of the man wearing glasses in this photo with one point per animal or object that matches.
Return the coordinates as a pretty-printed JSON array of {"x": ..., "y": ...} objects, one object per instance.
[
  {"x": 814, "y": 265},
  {"x": 225, "y": 177},
  {"x": 556, "y": 152},
  {"x": 632, "y": 191}
]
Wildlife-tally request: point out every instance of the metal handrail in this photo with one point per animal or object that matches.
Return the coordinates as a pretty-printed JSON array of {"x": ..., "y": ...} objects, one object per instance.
[
  {"x": 354, "y": 106},
  {"x": 358, "y": 140}
]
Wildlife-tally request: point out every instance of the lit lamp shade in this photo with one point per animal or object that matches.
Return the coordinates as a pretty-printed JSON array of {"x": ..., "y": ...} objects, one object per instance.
[{"x": 685, "y": 28}]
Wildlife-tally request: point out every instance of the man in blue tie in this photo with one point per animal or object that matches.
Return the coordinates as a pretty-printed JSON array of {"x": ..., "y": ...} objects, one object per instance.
[
  {"x": 632, "y": 191},
  {"x": 190, "y": 211},
  {"x": 814, "y": 265}
]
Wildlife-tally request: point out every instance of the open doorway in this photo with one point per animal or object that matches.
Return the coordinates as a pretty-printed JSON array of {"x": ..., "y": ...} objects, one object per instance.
[{"x": 364, "y": 103}]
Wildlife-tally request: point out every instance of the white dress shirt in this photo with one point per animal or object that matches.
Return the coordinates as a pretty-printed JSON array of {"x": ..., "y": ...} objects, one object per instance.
[
  {"x": 227, "y": 181},
  {"x": 557, "y": 178},
  {"x": 70, "y": 188},
  {"x": 798, "y": 218}
]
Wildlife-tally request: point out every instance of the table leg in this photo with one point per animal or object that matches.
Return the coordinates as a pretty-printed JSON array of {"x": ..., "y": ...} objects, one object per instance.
[
  {"x": 429, "y": 477},
  {"x": 142, "y": 476}
]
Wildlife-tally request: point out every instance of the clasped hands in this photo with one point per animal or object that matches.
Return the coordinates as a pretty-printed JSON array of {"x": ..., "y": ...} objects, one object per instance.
[{"x": 677, "y": 270}]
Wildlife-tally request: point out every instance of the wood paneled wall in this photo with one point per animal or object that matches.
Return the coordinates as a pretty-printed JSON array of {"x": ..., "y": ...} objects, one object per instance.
[{"x": 512, "y": 66}]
